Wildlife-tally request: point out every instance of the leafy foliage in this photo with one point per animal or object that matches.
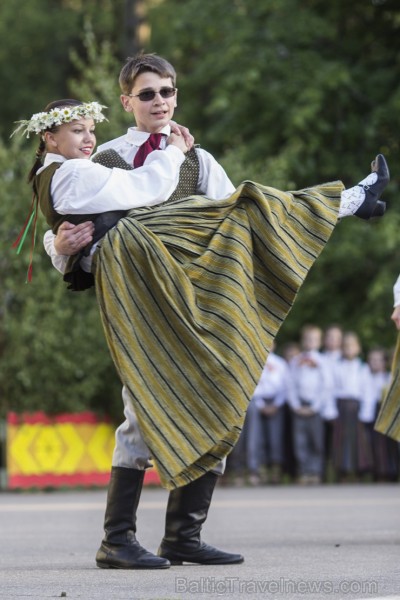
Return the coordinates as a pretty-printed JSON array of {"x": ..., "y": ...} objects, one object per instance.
[
  {"x": 53, "y": 353},
  {"x": 34, "y": 55},
  {"x": 295, "y": 93},
  {"x": 285, "y": 92}
]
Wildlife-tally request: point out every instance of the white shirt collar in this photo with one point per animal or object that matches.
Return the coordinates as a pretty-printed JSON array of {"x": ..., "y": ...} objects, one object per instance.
[
  {"x": 137, "y": 138},
  {"x": 50, "y": 158}
]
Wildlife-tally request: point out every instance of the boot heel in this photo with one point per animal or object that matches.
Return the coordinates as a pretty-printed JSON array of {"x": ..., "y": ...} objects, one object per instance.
[{"x": 379, "y": 209}]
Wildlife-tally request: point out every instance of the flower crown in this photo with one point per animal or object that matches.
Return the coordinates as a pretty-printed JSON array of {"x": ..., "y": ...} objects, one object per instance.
[{"x": 63, "y": 114}]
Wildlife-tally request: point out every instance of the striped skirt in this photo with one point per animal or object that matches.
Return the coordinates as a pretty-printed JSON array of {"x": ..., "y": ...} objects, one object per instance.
[{"x": 192, "y": 293}]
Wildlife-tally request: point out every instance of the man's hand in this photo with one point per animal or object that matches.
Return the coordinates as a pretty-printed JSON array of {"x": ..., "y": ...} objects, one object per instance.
[
  {"x": 396, "y": 317},
  {"x": 184, "y": 131},
  {"x": 72, "y": 238}
]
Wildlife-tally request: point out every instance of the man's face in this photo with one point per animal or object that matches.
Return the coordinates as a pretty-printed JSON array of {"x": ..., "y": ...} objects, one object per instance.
[{"x": 150, "y": 115}]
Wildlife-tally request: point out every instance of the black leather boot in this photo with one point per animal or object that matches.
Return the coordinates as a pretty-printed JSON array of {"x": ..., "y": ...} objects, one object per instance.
[
  {"x": 186, "y": 512},
  {"x": 120, "y": 548}
]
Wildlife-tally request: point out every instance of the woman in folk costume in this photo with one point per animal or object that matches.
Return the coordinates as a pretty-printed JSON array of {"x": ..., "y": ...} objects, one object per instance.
[
  {"x": 388, "y": 421},
  {"x": 192, "y": 293}
]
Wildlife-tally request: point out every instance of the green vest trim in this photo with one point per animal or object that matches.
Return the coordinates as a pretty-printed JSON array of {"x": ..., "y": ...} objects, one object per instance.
[{"x": 42, "y": 187}]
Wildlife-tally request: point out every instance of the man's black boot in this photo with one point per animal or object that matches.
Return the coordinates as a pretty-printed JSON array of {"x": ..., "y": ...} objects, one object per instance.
[
  {"x": 120, "y": 548},
  {"x": 186, "y": 512}
]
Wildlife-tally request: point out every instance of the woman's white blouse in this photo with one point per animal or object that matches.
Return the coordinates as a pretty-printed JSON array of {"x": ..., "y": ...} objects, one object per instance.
[{"x": 82, "y": 187}]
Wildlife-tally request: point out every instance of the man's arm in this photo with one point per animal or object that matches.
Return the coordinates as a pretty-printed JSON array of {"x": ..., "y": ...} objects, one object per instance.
[
  {"x": 69, "y": 240},
  {"x": 213, "y": 180},
  {"x": 84, "y": 187},
  {"x": 59, "y": 262},
  {"x": 72, "y": 238}
]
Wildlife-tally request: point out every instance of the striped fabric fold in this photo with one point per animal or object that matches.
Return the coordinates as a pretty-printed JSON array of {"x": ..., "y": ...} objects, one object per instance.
[
  {"x": 192, "y": 293},
  {"x": 388, "y": 420}
]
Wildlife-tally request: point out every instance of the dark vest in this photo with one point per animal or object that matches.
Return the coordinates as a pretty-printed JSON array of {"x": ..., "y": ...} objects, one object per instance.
[
  {"x": 42, "y": 186},
  {"x": 75, "y": 276}
]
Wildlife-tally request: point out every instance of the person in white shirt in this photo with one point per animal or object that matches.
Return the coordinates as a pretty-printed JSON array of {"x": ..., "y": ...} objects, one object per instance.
[
  {"x": 353, "y": 393},
  {"x": 164, "y": 288},
  {"x": 139, "y": 78},
  {"x": 56, "y": 184},
  {"x": 289, "y": 350},
  {"x": 310, "y": 391},
  {"x": 332, "y": 342},
  {"x": 332, "y": 351},
  {"x": 380, "y": 379},
  {"x": 385, "y": 450},
  {"x": 150, "y": 116},
  {"x": 265, "y": 443}
]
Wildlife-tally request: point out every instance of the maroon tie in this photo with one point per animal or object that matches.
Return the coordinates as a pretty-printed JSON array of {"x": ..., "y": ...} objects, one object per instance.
[{"x": 152, "y": 143}]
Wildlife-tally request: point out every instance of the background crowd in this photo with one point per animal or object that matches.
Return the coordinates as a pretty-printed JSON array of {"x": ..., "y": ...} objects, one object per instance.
[{"x": 312, "y": 415}]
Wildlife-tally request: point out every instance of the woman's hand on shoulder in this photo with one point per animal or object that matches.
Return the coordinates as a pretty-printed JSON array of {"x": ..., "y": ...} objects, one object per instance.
[
  {"x": 184, "y": 131},
  {"x": 178, "y": 141}
]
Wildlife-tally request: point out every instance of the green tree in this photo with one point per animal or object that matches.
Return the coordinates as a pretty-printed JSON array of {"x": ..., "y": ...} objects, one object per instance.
[
  {"x": 286, "y": 92},
  {"x": 37, "y": 36},
  {"x": 311, "y": 85},
  {"x": 293, "y": 93},
  {"x": 53, "y": 355}
]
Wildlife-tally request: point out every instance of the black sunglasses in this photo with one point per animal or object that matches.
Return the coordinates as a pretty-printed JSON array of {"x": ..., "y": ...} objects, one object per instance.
[{"x": 165, "y": 92}]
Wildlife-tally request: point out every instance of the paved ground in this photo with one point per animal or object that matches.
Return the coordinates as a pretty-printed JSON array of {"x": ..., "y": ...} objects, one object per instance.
[{"x": 320, "y": 543}]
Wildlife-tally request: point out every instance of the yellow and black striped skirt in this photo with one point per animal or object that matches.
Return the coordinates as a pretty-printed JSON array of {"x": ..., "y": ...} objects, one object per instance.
[{"x": 192, "y": 293}]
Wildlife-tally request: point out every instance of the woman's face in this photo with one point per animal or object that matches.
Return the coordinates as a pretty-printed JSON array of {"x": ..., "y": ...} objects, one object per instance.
[{"x": 72, "y": 140}]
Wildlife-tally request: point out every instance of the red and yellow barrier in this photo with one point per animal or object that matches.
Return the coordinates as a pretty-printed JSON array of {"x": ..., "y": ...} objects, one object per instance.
[{"x": 64, "y": 450}]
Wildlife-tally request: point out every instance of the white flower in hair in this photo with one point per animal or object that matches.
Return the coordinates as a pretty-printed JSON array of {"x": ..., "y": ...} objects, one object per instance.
[
  {"x": 66, "y": 115},
  {"x": 57, "y": 116}
]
